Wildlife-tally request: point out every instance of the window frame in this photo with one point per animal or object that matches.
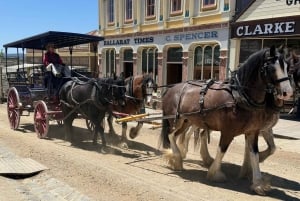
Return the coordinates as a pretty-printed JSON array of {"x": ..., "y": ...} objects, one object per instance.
[
  {"x": 176, "y": 12},
  {"x": 147, "y": 5},
  {"x": 127, "y": 9},
  {"x": 210, "y": 6},
  {"x": 111, "y": 12}
]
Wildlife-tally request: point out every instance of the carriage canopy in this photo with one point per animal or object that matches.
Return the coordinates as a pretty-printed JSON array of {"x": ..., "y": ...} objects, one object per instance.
[{"x": 59, "y": 39}]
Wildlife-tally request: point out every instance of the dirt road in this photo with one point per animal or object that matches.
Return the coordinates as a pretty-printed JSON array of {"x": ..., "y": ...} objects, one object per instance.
[{"x": 138, "y": 173}]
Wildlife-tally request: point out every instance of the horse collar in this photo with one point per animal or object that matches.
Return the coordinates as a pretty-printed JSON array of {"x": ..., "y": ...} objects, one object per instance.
[{"x": 243, "y": 98}]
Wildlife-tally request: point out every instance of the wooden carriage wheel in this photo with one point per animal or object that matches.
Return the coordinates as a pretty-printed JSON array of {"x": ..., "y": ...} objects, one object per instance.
[
  {"x": 13, "y": 108},
  {"x": 41, "y": 119}
]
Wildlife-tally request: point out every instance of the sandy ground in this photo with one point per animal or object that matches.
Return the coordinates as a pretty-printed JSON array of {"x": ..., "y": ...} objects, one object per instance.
[{"x": 139, "y": 173}]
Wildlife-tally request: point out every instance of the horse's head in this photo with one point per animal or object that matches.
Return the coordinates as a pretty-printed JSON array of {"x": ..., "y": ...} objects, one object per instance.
[
  {"x": 276, "y": 71},
  {"x": 148, "y": 86}
]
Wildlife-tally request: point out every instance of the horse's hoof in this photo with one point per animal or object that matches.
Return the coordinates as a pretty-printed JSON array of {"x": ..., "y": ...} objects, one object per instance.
[
  {"x": 104, "y": 150},
  {"x": 132, "y": 133},
  {"x": 174, "y": 162},
  {"x": 262, "y": 187},
  {"x": 123, "y": 145},
  {"x": 218, "y": 176},
  {"x": 259, "y": 190}
]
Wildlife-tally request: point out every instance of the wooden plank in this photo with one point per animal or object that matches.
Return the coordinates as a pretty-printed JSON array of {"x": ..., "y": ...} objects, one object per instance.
[{"x": 20, "y": 166}]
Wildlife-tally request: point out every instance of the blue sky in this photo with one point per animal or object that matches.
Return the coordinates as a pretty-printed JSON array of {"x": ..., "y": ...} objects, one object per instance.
[{"x": 23, "y": 18}]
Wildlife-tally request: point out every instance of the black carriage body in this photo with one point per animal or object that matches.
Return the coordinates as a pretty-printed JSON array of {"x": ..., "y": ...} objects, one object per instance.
[{"x": 29, "y": 90}]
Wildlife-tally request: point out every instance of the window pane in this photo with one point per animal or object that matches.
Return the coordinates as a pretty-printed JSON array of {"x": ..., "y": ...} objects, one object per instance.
[
  {"x": 216, "y": 62},
  {"x": 150, "y": 7},
  {"x": 249, "y": 47},
  {"x": 110, "y": 7},
  {"x": 112, "y": 61},
  {"x": 216, "y": 59},
  {"x": 208, "y": 2},
  {"x": 198, "y": 56},
  {"x": 107, "y": 63},
  {"x": 276, "y": 42},
  {"x": 175, "y": 5},
  {"x": 175, "y": 54},
  {"x": 128, "y": 9},
  {"x": 198, "y": 63},
  {"x": 208, "y": 55},
  {"x": 128, "y": 55}
]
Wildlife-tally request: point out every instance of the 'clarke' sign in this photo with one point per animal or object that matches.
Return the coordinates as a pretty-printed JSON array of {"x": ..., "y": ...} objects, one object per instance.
[{"x": 265, "y": 28}]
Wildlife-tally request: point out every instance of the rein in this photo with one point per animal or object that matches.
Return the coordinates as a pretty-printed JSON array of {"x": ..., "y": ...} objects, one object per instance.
[{"x": 243, "y": 96}]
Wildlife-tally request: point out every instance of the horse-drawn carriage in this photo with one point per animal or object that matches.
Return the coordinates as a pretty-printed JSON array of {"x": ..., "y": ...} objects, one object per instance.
[{"x": 32, "y": 92}]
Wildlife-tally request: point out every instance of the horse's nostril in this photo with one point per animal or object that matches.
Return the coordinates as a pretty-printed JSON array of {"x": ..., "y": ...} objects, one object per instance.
[{"x": 284, "y": 94}]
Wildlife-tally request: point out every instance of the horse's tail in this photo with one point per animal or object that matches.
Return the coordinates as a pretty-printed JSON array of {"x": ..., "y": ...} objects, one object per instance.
[{"x": 164, "y": 139}]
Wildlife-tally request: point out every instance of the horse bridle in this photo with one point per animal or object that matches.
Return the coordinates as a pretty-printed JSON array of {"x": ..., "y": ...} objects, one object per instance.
[
  {"x": 267, "y": 64},
  {"x": 145, "y": 87}
]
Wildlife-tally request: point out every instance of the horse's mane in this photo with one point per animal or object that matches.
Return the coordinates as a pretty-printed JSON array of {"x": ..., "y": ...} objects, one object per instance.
[{"x": 251, "y": 66}]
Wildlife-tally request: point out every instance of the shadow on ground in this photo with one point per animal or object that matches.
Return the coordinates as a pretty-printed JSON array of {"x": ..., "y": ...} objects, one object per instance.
[{"x": 279, "y": 185}]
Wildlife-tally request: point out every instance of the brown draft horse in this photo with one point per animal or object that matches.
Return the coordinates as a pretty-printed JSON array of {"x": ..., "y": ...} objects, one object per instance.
[
  {"x": 139, "y": 91},
  {"x": 232, "y": 109},
  {"x": 202, "y": 136},
  {"x": 272, "y": 109}
]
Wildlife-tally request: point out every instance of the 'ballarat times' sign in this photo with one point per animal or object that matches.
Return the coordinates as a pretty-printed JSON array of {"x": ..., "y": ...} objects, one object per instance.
[{"x": 268, "y": 27}]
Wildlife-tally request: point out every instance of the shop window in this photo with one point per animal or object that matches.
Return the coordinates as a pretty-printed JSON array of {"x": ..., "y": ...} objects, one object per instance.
[
  {"x": 128, "y": 11},
  {"x": 128, "y": 63},
  {"x": 149, "y": 61},
  {"x": 267, "y": 43},
  {"x": 294, "y": 44},
  {"x": 175, "y": 54},
  {"x": 110, "y": 12},
  {"x": 208, "y": 5},
  {"x": 216, "y": 62},
  {"x": 110, "y": 56},
  {"x": 198, "y": 63},
  {"x": 176, "y": 7},
  {"x": 206, "y": 62},
  {"x": 128, "y": 55},
  {"x": 150, "y": 9},
  {"x": 207, "y": 55},
  {"x": 249, "y": 47}
]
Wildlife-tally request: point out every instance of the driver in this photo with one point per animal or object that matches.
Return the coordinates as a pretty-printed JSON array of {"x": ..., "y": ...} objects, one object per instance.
[{"x": 53, "y": 62}]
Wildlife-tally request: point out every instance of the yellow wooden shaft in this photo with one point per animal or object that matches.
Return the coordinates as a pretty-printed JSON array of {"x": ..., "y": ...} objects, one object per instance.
[{"x": 131, "y": 117}]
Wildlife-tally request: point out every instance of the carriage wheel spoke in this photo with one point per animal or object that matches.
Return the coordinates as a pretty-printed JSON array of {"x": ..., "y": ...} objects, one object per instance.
[
  {"x": 13, "y": 110},
  {"x": 41, "y": 121}
]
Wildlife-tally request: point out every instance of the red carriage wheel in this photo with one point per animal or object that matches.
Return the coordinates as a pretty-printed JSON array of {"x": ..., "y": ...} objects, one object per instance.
[
  {"x": 41, "y": 119},
  {"x": 13, "y": 108}
]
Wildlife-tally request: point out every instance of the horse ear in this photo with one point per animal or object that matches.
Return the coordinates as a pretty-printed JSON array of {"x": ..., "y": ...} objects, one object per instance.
[{"x": 272, "y": 51}]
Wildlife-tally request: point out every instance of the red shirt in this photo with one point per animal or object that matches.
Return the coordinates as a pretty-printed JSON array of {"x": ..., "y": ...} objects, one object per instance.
[{"x": 52, "y": 57}]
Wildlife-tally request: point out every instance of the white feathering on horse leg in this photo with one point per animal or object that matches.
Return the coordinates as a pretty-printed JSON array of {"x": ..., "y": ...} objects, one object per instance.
[
  {"x": 207, "y": 159},
  {"x": 174, "y": 159},
  {"x": 246, "y": 167},
  {"x": 260, "y": 186},
  {"x": 214, "y": 172}
]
